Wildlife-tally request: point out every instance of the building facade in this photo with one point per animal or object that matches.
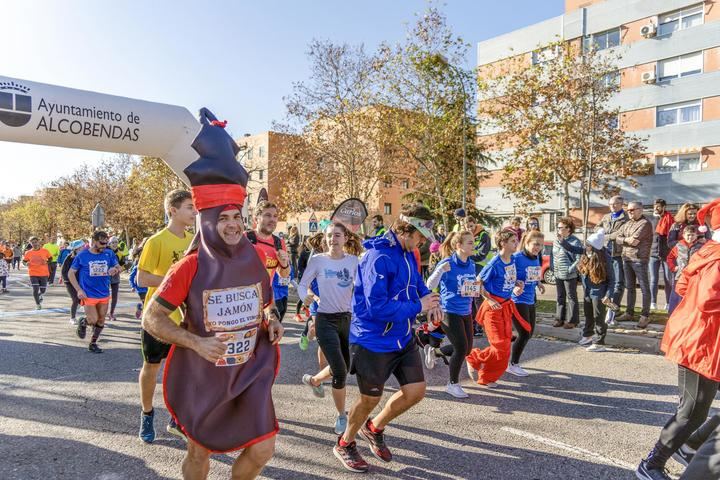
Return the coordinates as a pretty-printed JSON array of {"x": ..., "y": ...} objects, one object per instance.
[{"x": 669, "y": 77}]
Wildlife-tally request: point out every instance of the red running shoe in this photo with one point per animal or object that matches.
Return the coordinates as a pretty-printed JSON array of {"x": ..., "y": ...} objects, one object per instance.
[
  {"x": 377, "y": 443},
  {"x": 350, "y": 457}
]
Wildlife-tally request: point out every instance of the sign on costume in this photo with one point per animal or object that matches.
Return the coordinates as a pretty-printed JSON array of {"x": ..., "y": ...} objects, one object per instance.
[{"x": 43, "y": 114}]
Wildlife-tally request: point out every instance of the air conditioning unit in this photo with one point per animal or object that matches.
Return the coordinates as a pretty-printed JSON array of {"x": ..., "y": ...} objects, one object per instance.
[
  {"x": 648, "y": 30},
  {"x": 649, "y": 77}
]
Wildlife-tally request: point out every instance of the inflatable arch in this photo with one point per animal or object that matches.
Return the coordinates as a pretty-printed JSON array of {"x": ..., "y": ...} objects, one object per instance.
[{"x": 43, "y": 114}]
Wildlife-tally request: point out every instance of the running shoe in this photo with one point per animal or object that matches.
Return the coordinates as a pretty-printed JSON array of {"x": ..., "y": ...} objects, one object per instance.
[
  {"x": 684, "y": 455},
  {"x": 93, "y": 348},
  {"x": 81, "y": 328},
  {"x": 585, "y": 341},
  {"x": 318, "y": 391},
  {"x": 489, "y": 385},
  {"x": 38, "y": 306},
  {"x": 174, "y": 429},
  {"x": 596, "y": 347},
  {"x": 429, "y": 357},
  {"x": 112, "y": 317},
  {"x": 147, "y": 427},
  {"x": 73, "y": 321},
  {"x": 340, "y": 423},
  {"x": 456, "y": 390},
  {"x": 304, "y": 342},
  {"x": 138, "y": 313},
  {"x": 517, "y": 370},
  {"x": 377, "y": 443},
  {"x": 350, "y": 457},
  {"x": 653, "y": 306},
  {"x": 471, "y": 371},
  {"x": 644, "y": 472}
]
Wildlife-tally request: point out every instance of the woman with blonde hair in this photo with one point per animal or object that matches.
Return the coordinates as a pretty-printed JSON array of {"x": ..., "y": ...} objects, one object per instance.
[
  {"x": 686, "y": 215},
  {"x": 455, "y": 274}
]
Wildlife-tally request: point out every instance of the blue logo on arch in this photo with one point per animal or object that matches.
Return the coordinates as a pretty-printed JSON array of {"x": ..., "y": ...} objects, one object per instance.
[{"x": 15, "y": 104}]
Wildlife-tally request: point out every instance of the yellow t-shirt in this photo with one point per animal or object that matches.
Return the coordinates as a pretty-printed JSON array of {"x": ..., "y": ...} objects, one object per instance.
[{"x": 159, "y": 253}]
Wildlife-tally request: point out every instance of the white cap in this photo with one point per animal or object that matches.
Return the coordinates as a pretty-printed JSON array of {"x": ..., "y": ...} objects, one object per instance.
[{"x": 597, "y": 239}]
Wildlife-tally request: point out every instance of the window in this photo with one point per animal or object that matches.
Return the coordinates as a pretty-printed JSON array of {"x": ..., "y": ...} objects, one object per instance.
[
  {"x": 678, "y": 113},
  {"x": 677, "y": 163},
  {"x": 611, "y": 79},
  {"x": 387, "y": 209},
  {"x": 261, "y": 173},
  {"x": 602, "y": 40},
  {"x": 543, "y": 55},
  {"x": 681, "y": 66},
  {"x": 250, "y": 153},
  {"x": 387, "y": 182},
  {"x": 405, "y": 184},
  {"x": 680, "y": 20},
  {"x": 261, "y": 152}
]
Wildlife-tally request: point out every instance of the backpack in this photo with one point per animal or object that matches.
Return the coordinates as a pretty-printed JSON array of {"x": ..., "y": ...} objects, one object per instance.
[{"x": 252, "y": 236}]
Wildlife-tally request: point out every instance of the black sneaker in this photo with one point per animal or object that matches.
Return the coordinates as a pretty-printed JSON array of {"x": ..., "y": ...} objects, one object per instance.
[
  {"x": 377, "y": 443},
  {"x": 93, "y": 347},
  {"x": 350, "y": 457},
  {"x": 81, "y": 328},
  {"x": 684, "y": 455},
  {"x": 644, "y": 472}
]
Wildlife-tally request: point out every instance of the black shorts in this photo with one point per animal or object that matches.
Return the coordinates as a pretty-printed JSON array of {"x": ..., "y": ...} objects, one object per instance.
[
  {"x": 153, "y": 350},
  {"x": 373, "y": 369}
]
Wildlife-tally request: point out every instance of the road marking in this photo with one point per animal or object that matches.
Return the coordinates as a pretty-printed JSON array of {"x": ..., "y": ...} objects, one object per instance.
[
  {"x": 570, "y": 448},
  {"x": 45, "y": 311}
]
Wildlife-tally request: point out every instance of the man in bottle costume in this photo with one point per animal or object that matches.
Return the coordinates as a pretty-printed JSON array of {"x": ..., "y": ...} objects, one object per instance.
[{"x": 225, "y": 355}]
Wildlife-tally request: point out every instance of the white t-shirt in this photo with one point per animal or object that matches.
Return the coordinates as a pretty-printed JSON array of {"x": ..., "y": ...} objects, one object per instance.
[{"x": 335, "y": 279}]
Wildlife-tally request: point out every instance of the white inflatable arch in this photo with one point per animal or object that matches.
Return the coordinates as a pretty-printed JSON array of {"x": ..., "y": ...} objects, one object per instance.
[{"x": 43, "y": 114}]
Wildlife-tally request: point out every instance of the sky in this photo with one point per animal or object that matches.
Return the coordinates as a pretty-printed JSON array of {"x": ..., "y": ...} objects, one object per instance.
[{"x": 238, "y": 58}]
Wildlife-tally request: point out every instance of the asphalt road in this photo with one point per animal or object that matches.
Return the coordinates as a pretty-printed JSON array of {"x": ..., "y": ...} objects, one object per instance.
[{"x": 69, "y": 414}]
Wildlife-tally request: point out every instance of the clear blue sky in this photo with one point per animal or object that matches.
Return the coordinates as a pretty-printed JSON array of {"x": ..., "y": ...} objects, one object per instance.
[{"x": 238, "y": 58}]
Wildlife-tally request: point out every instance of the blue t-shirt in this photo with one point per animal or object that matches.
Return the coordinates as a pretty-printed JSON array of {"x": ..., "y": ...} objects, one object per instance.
[
  {"x": 281, "y": 291},
  {"x": 92, "y": 271},
  {"x": 451, "y": 283},
  {"x": 499, "y": 277},
  {"x": 528, "y": 270}
]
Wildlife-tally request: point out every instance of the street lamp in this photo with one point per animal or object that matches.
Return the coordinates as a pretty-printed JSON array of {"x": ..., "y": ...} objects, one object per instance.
[{"x": 459, "y": 76}]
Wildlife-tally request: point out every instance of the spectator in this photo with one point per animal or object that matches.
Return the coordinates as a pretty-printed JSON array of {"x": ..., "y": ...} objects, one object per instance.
[
  {"x": 532, "y": 224},
  {"x": 515, "y": 227},
  {"x": 687, "y": 215},
  {"x": 662, "y": 221},
  {"x": 635, "y": 238},
  {"x": 459, "y": 219},
  {"x": 377, "y": 225},
  {"x": 612, "y": 223},
  {"x": 564, "y": 265},
  {"x": 294, "y": 247},
  {"x": 679, "y": 257},
  {"x": 441, "y": 235}
]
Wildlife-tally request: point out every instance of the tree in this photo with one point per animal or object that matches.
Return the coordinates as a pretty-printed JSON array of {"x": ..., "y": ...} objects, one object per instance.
[
  {"x": 332, "y": 150},
  {"x": 554, "y": 120},
  {"x": 429, "y": 120}
]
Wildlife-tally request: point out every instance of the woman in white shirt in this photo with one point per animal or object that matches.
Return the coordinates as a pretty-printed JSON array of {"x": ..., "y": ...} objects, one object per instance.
[{"x": 335, "y": 272}]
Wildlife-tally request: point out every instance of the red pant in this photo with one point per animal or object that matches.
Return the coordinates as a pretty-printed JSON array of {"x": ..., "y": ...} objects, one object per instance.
[{"x": 491, "y": 362}]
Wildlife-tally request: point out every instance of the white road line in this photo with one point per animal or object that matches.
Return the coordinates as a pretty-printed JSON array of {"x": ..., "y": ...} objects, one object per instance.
[
  {"x": 570, "y": 448},
  {"x": 45, "y": 311}
]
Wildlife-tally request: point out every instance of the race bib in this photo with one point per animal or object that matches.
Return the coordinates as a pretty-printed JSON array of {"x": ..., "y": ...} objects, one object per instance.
[
  {"x": 98, "y": 269},
  {"x": 284, "y": 281},
  {"x": 533, "y": 274},
  {"x": 470, "y": 288},
  {"x": 236, "y": 314}
]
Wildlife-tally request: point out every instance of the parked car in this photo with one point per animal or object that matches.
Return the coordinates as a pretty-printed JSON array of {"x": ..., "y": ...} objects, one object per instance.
[{"x": 545, "y": 269}]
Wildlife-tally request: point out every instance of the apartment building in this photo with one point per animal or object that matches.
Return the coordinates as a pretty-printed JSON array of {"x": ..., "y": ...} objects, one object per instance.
[
  {"x": 258, "y": 155},
  {"x": 669, "y": 76}
]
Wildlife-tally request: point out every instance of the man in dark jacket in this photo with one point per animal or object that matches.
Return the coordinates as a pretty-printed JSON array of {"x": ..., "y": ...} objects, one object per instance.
[
  {"x": 635, "y": 238},
  {"x": 389, "y": 294}
]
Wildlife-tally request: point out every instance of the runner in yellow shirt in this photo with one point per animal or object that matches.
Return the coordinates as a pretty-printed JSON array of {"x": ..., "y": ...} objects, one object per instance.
[{"x": 161, "y": 250}]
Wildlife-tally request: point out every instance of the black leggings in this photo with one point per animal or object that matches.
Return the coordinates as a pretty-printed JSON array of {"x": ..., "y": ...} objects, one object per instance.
[
  {"x": 39, "y": 284},
  {"x": 458, "y": 329},
  {"x": 3, "y": 280},
  {"x": 528, "y": 313},
  {"x": 115, "y": 288},
  {"x": 706, "y": 461},
  {"x": 333, "y": 335},
  {"x": 73, "y": 296},
  {"x": 281, "y": 304},
  {"x": 696, "y": 396}
]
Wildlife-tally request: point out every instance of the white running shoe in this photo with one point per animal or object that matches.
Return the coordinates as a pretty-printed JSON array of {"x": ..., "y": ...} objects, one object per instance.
[
  {"x": 653, "y": 306},
  {"x": 456, "y": 390},
  {"x": 585, "y": 341},
  {"x": 73, "y": 322},
  {"x": 318, "y": 391},
  {"x": 596, "y": 348},
  {"x": 517, "y": 370},
  {"x": 429, "y": 357},
  {"x": 471, "y": 371},
  {"x": 489, "y": 385}
]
